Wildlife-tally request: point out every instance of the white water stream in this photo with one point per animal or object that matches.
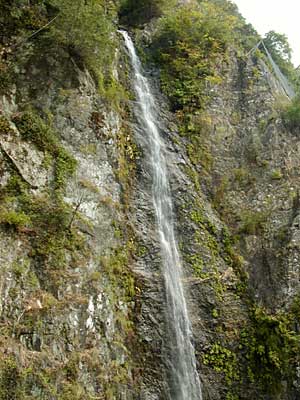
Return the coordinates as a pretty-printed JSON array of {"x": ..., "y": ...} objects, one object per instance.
[{"x": 183, "y": 380}]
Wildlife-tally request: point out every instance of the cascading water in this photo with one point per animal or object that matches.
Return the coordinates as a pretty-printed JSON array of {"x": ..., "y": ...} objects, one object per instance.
[{"x": 184, "y": 383}]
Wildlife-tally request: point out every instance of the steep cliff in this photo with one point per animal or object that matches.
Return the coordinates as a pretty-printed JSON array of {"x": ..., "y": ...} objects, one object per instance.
[
  {"x": 67, "y": 291},
  {"x": 83, "y": 300}
]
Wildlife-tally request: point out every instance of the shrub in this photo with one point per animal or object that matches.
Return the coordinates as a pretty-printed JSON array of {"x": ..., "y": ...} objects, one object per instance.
[
  {"x": 10, "y": 379},
  {"x": 138, "y": 12},
  {"x": 13, "y": 218},
  {"x": 85, "y": 29},
  {"x": 222, "y": 360},
  {"x": 34, "y": 129},
  {"x": 271, "y": 348},
  {"x": 18, "y": 16},
  {"x": 187, "y": 45},
  {"x": 291, "y": 115},
  {"x": 4, "y": 126},
  {"x": 253, "y": 223},
  {"x": 276, "y": 175}
]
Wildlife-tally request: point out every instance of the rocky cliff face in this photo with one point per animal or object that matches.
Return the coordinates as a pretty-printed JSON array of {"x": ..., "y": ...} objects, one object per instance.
[
  {"x": 82, "y": 293},
  {"x": 66, "y": 290},
  {"x": 236, "y": 205}
]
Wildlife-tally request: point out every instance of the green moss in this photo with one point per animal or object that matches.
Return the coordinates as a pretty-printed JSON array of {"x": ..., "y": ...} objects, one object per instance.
[
  {"x": 15, "y": 187},
  {"x": 20, "y": 268},
  {"x": 91, "y": 148},
  {"x": 197, "y": 264},
  {"x": 47, "y": 222},
  {"x": 118, "y": 233},
  {"x": 73, "y": 391},
  {"x": 128, "y": 153},
  {"x": 232, "y": 396},
  {"x": 253, "y": 223},
  {"x": 55, "y": 236},
  {"x": 65, "y": 167},
  {"x": 116, "y": 94},
  {"x": 200, "y": 154},
  {"x": 242, "y": 177},
  {"x": 219, "y": 198},
  {"x": 116, "y": 266},
  {"x": 16, "y": 383},
  {"x": 14, "y": 219},
  {"x": 6, "y": 75},
  {"x": 198, "y": 217},
  {"x": 34, "y": 129},
  {"x": 276, "y": 175},
  {"x": 224, "y": 361},
  {"x": 192, "y": 174},
  {"x": 5, "y": 127},
  {"x": 9, "y": 379},
  {"x": 291, "y": 115},
  {"x": 86, "y": 184},
  {"x": 215, "y": 313},
  {"x": 234, "y": 260},
  {"x": 271, "y": 347}
]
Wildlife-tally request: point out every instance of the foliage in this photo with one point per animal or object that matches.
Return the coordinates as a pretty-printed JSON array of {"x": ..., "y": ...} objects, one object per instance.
[
  {"x": 128, "y": 152},
  {"x": 253, "y": 223},
  {"x": 234, "y": 260},
  {"x": 296, "y": 80},
  {"x": 276, "y": 175},
  {"x": 46, "y": 221},
  {"x": 18, "y": 20},
  {"x": 291, "y": 115},
  {"x": 51, "y": 222},
  {"x": 245, "y": 35},
  {"x": 81, "y": 28},
  {"x": 20, "y": 16},
  {"x": 64, "y": 168},
  {"x": 116, "y": 266},
  {"x": 13, "y": 218},
  {"x": 222, "y": 360},
  {"x": 33, "y": 128},
  {"x": 278, "y": 44},
  {"x": 5, "y": 127},
  {"x": 242, "y": 177},
  {"x": 85, "y": 28},
  {"x": 271, "y": 346},
  {"x": 281, "y": 52},
  {"x": 138, "y": 12},
  {"x": 9, "y": 379},
  {"x": 187, "y": 45}
]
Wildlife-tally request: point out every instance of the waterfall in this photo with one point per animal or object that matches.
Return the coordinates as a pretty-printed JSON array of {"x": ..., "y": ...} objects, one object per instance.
[{"x": 183, "y": 380}]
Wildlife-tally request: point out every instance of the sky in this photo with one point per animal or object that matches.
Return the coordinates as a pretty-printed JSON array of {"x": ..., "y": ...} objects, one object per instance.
[{"x": 278, "y": 15}]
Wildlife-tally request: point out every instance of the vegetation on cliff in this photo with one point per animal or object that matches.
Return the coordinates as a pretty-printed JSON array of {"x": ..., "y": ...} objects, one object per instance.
[
  {"x": 84, "y": 30},
  {"x": 58, "y": 57},
  {"x": 192, "y": 46}
]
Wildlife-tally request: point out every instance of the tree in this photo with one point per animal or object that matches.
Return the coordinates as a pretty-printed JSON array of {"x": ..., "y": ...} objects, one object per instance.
[
  {"x": 278, "y": 45},
  {"x": 85, "y": 29},
  {"x": 188, "y": 45},
  {"x": 280, "y": 50},
  {"x": 138, "y": 12}
]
